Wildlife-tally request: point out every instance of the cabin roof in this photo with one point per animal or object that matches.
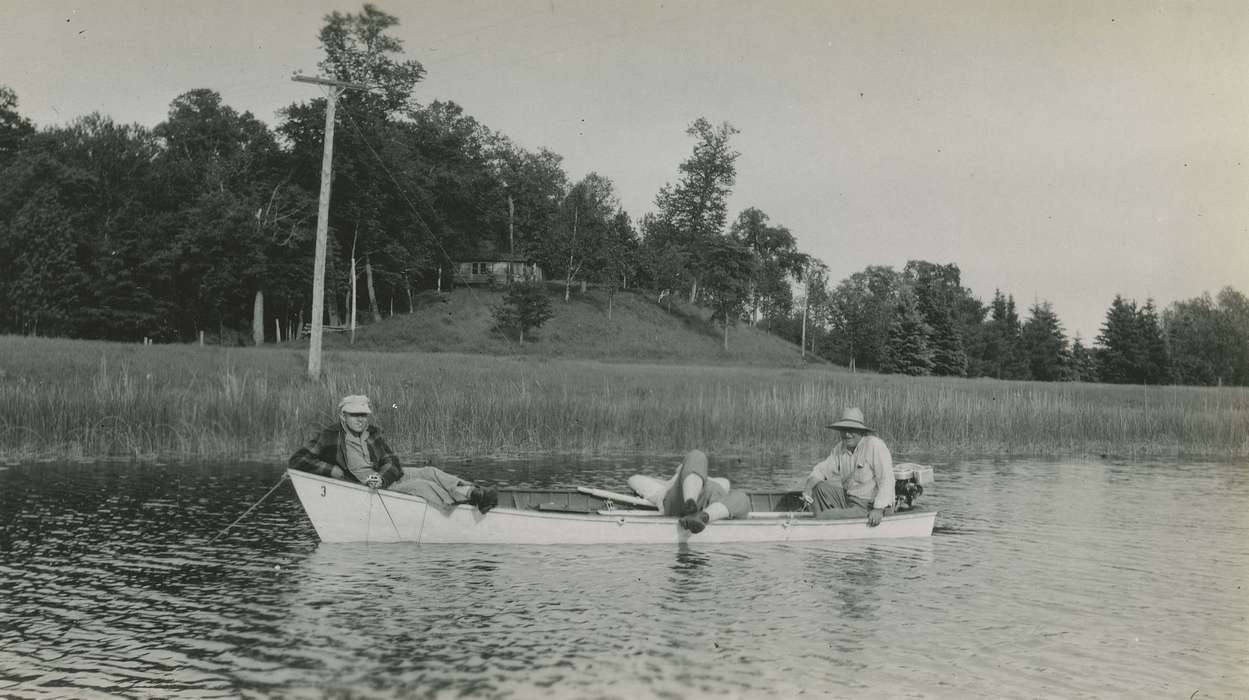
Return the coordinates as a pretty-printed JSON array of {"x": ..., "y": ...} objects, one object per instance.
[{"x": 497, "y": 257}]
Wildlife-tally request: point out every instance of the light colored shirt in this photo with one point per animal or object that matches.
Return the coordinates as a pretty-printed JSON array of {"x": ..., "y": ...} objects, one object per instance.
[
  {"x": 866, "y": 473},
  {"x": 357, "y": 452}
]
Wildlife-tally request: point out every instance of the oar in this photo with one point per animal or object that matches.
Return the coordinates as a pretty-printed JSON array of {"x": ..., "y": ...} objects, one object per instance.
[{"x": 613, "y": 496}]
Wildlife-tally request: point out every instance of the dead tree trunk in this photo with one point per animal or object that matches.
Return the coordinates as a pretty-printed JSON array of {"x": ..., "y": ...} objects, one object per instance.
[
  {"x": 572, "y": 248},
  {"x": 368, "y": 276},
  {"x": 258, "y": 319},
  {"x": 803, "y": 344}
]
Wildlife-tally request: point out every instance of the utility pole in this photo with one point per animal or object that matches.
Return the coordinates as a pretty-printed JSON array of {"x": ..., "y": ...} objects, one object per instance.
[
  {"x": 354, "y": 238},
  {"x": 334, "y": 88}
]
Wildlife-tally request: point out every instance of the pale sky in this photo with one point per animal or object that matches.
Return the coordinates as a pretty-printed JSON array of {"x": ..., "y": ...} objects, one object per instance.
[{"x": 1060, "y": 151}]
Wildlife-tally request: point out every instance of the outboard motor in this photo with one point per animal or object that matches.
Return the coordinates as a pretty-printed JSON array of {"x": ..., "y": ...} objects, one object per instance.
[{"x": 909, "y": 481}]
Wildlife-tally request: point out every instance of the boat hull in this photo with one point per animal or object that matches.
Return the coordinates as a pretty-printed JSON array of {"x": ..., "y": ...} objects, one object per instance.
[{"x": 343, "y": 511}]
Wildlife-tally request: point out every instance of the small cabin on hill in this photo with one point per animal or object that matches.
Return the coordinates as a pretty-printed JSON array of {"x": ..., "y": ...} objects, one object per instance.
[{"x": 497, "y": 269}]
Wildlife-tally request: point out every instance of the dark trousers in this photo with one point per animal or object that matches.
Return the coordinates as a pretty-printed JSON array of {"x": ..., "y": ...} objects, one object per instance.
[
  {"x": 738, "y": 502},
  {"x": 831, "y": 502}
]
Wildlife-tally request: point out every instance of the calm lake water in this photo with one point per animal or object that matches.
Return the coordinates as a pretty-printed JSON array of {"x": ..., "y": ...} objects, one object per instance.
[{"x": 1043, "y": 579}]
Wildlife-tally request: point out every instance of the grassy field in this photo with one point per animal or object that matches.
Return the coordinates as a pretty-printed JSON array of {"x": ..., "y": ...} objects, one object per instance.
[
  {"x": 65, "y": 399},
  {"x": 639, "y": 330}
]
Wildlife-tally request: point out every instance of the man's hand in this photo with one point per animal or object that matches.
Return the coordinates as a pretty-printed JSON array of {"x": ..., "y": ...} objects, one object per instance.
[
  {"x": 336, "y": 472},
  {"x": 375, "y": 482},
  {"x": 806, "y": 498},
  {"x": 874, "y": 516}
]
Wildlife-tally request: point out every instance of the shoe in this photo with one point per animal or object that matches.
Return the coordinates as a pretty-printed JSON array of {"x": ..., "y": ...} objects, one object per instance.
[
  {"x": 690, "y": 507},
  {"x": 484, "y": 499},
  {"x": 695, "y": 523}
]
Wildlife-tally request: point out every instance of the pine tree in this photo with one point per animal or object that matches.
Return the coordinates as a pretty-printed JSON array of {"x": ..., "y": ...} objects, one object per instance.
[
  {"x": 1083, "y": 365},
  {"x": 1003, "y": 355},
  {"x": 1154, "y": 359},
  {"x": 1044, "y": 344},
  {"x": 948, "y": 356},
  {"x": 937, "y": 294},
  {"x": 906, "y": 349},
  {"x": 1118, "y": 344}
]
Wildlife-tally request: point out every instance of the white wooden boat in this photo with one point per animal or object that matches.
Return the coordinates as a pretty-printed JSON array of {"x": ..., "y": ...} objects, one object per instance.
[{"x": 343, "y": 511}]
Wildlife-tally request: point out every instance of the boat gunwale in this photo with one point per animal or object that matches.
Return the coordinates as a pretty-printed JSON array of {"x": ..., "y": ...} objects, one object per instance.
[{"x": 635, "y": 515}]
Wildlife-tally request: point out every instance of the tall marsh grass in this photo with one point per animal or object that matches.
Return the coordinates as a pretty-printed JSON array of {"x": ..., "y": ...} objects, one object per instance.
[{"x": 85, "y": 400}]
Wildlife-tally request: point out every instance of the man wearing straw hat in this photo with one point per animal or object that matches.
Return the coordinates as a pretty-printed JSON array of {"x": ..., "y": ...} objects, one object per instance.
[
  {"x": 856, "y": 479},
  {"x": 355, "y": 451}
]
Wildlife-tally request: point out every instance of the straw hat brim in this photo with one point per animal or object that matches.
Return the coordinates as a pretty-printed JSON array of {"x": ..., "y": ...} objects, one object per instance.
[{"x": 849, "y": 425}]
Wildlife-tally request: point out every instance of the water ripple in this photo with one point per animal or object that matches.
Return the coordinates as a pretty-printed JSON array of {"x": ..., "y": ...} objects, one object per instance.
[{"x": 1041, "y": 580}]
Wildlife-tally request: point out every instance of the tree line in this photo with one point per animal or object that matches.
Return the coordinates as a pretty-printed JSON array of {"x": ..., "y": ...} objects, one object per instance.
[
  {"x": 922, "y": 321},
  {"x": 205, "y": 223}
]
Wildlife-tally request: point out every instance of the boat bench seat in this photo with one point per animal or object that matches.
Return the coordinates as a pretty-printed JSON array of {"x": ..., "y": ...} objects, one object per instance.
[
  {"x": 555, "y": 500},
  {"x": 776, "y": 502},
  {"x": 569, "y": 501}
]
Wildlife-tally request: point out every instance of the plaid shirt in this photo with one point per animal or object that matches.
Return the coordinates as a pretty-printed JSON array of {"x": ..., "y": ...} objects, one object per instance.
[{"x": 327, "y": 450}]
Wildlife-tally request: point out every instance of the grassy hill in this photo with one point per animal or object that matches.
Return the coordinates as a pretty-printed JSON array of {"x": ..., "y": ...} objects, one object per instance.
[{"x": 639, "y": 330}]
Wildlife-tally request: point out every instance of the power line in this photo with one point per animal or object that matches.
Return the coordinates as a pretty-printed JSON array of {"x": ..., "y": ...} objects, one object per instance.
[{"x": 404, "y": 195}]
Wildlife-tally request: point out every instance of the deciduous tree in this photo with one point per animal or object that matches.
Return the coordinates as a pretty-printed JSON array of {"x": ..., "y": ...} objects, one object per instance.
[
  {"x": 729, "y": 266},
  {"x": 619, "y": 258},
  {"x": 694, "y": 210},
  {"x": 79, "y": 212},
  {"x": 525, "y": 306},
  {"x": 778, "y": 263},
  {"x": 236, "y": 218},
  {"x": 862, "y": 308},
  {"x": 578, "y": 242},
  {"x": 1209, "y": 339},
  {"x": 14, "y": 128}
]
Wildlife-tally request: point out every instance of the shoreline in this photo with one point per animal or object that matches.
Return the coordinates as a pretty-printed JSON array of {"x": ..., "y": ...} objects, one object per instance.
[
  {"x": 919, "y": 454},
  {"x": 92, "y": 401}
]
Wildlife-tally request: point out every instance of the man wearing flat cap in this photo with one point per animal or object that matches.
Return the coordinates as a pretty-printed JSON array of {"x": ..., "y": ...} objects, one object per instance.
[
  {"x": 856, "y": 480},
  {"x": 354, "y": 450}
]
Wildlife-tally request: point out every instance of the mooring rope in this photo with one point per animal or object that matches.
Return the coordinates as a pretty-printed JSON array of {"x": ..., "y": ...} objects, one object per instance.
[{"x": 249, "y": 510}]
